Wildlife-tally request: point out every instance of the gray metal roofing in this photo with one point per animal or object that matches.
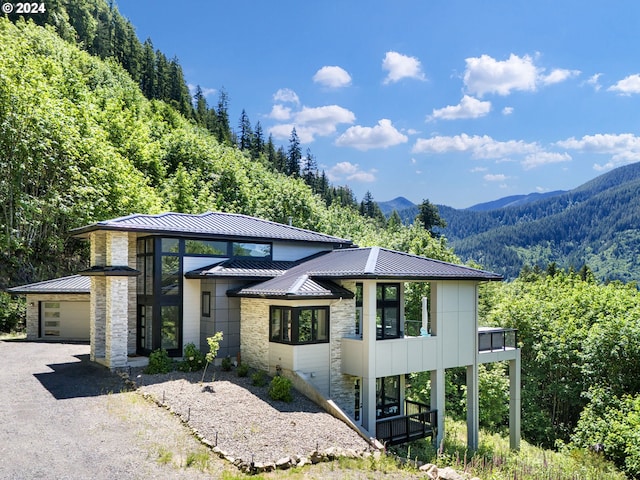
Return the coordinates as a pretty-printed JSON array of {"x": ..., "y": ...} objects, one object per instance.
[
  {"x": 213, "y": 224},
  {"x": 363, "y": 263},
  {"x": 71, "y": 284},
  {"x": 242, "y": 268}
]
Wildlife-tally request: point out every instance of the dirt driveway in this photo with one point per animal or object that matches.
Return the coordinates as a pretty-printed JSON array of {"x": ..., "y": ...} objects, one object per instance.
[{"x": 62, "y": 417}]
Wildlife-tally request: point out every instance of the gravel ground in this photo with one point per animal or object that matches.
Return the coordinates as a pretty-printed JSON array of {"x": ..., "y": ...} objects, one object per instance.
[{"x": 244, "y": 422}]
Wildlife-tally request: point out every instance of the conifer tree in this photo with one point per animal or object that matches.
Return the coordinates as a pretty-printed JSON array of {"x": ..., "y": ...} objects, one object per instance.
[
  {"x": 222, "y": 115},
  {"x": 310, "y": 169},
  {"x": 257, "y": 148},
  {"x": 245, "y": 139},
  {"x": 294, "y": 155}
]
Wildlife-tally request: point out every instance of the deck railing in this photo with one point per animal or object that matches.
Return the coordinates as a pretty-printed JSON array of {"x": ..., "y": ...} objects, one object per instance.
[
  {"x": 497, "y": 339},
  {"x": 418, "y": 422}
]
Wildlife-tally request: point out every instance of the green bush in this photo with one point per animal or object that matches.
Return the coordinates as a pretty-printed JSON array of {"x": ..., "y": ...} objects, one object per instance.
[
  {"x": 243, "y": 370},
  {"x": 258, "y": 379},
  {"x": 159, "y": 362},
  {"x": 280, "y": 389},
  {"x": 193, "y": 359},
  {"x": 12, "y": 313},
  {"x": 226, "y": 364}
]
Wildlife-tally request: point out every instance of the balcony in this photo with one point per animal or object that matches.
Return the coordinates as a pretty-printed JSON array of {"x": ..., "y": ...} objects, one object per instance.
[
  {"x": 495, "y": 339},
  {"x": 419, "y": 422}
]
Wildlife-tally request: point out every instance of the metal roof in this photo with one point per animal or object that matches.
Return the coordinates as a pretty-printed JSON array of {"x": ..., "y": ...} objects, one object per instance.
[
  {"x": 71, "y": 284},
  {"x": 244, "y": 268},
  {"x": 212, "y": 225},
  {"x": 364, "y": 263}
]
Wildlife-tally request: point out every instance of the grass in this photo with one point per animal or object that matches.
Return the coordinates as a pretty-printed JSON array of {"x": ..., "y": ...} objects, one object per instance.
[
  {"x": 20, "y": 335},
  {"x": 495, "y": 461}
]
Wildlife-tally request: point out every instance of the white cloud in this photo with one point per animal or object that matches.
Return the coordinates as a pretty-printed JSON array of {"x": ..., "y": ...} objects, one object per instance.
[
  {"x": 350, "y": 171},
  {"x": 507, "y": 111},
  {"x": 383, "y": 135},
  {"x": 558, "y": 75},
  {"x": 401, "y": 66},
  {"x": 333, "y": 77},
  {"x": 485, "y": 74},
  {"x": 313, "y": 121},
  {"x": 624, "y": 148},
  {"x": 280, "y": 112},
  {"x": 543, "y": 158},
  {"x": 479, "y": 169},
  {"x": 286, "y": 95},
  {"x": 497, "y": 177},
  {"x": 468, "y": 107},
  {"x": 594, "y": 81},
  {"x": 206, "y": 92},
  {"x": 483, "y": 147},
  {"x": 627, "y": 85}
]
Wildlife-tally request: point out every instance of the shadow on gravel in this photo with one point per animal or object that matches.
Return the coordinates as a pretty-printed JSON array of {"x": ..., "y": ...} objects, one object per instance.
[{"x": 80, "y": 379}]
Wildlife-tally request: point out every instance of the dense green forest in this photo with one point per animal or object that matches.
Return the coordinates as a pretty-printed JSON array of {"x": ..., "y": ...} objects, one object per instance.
[{"x": 82, "y": 138}]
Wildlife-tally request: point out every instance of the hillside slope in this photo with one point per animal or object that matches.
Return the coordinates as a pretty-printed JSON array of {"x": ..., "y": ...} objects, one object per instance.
[{"x": 597, "y": 224}]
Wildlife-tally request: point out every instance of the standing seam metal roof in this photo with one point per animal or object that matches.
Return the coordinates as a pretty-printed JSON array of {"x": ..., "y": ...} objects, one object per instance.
[
  {"x": 214, "y": 224},
  {"x": 70, "y": 284}
]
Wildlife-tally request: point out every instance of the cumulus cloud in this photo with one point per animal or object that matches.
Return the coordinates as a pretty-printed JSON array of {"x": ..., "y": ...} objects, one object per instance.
[
  {"x": 507, "y": 111},
  {"x": 624, "y": 148},
  {"x": 627, "y": 85},
  {"x": 480, "y": 147},
  {"x": 286, "y": 95},
  {"x": 485, "y": 74},
  {"x": 543, "y": 158},
  {"x": 313, "y": 121},
  {"x": 383, "y": 135},
  {"x": 280, "y": 112},
  {"x": 468, "y": 107},
  {"x": 333, "y": 77},
  {"x": 497, "y": 177},
  {"x": 401, "y": 66},
  {"x": 351, "y": 172},
  {"x": 594, "y": 81}
]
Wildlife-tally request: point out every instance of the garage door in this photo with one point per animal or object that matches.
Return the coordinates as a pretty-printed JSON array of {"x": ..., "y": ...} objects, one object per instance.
[{"x": 64, "y": 320}]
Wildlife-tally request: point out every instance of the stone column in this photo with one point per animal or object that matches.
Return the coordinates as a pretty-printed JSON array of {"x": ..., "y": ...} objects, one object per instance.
[{"x": 117, "y": 301}]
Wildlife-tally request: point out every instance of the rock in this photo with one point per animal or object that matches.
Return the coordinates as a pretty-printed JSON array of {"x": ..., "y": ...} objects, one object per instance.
[
  {"x": 449, "y": 473},
  {"x": 284, "y": 463},
  {"x": 316, "y": 457}
]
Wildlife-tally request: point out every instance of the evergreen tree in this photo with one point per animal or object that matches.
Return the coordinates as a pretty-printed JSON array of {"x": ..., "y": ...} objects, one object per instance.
[
  {"x": 310, "y": 169},
  {"x": 148, "y": 73},
  {"x": 294, "y": 155},
  {"x": 281, "y": 160},
  {"x": 223, "y": 133},
  {"x": 394, "y": 221},
  {"x": 245, "y": 139},
  {"x": 257, "y": 148},
  {"x": 369, "y": 208},
  {"x": 201, "y": 108},
  {"x": 429, "y": 216},
  {"x": 272, "y": 155}
]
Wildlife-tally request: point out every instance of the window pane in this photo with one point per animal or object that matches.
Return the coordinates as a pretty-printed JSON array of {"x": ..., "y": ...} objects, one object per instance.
[
  {"x": 170, "y": 245},
  {"x": 358, "y": 294},
  {"x": 149, "y": 245},
  {"x": 204, "y": 247},
  {"x": 276, "y": 324},
  {"x": 391, "y": 322},
  {"x": 140, "y": 280},
  {"x": 392, "y": 390},
  {"x": 170, "y": 275},
  {"x": 304, "y": 326},
  {"x": 258, "y": 250},
  {"x": 286, "y": 325},
  {"x": 169, "y": 327},
  {"x": 148, "y": 328},
  {"x": 322, "y": 323},
  {"x": 390, "y": 292},
  {"x": 140, "y": 246},
  {"x": 148, "y": 274},
  {"x": 206, "y": 304}
]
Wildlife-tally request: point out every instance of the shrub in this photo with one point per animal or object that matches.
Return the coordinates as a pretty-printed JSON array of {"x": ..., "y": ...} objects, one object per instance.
[
  {"x": 12, "y": 313},
  {"x": 258, "y": 379},
  {"x": 243, "y": 370},
  {"x": 159, "y": 362},
  {"x": 280, "y": 389},
  {"x": 193, "y": 359},
  {"x": 226, "y": 364}
]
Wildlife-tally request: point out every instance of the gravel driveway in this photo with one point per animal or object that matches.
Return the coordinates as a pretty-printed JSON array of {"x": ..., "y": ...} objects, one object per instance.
[{"x": 62, "y": 417}]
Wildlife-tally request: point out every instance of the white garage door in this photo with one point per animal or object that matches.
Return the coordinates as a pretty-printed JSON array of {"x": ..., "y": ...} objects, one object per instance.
[{"x": 64, "y": 320}]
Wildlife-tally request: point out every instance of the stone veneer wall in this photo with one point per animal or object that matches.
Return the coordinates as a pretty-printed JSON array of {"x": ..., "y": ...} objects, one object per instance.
[
  {"x": 132, "y": 300},
  {"x": 343, "y": 315},
  {"x": 33, "y": 312},
  {"x": 254, "y": 332}
]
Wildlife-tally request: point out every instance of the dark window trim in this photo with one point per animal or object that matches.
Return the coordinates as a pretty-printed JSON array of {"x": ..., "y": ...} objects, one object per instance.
[
  {"x": 382, "y": 303},
  {"x": 384, "y": 407},
  {"x": 294, "y": 315},
  {"x": 206, "y": 304}
]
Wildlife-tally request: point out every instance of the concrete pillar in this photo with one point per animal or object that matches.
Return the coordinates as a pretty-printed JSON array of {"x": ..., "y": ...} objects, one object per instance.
[
  {"x": 438, "y": 401},
  {"x": 473, "y": 413},
  {"x": 514, "y": 402},
  {"x": 369, "y": 359}
]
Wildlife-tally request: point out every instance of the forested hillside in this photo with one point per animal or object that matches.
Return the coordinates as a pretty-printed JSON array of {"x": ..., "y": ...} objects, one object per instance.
[
  {"x": 79, "y": 142},
  {"x": 597, "y": 224}
]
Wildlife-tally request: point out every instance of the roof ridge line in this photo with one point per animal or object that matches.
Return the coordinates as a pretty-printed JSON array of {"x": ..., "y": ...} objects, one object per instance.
[
  {"x": 372, "y": 260},
  {"x": 297, "y": 284}
]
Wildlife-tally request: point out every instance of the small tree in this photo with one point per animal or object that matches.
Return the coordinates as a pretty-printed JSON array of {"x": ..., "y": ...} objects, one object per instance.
[{"x": 214, "y": 346}]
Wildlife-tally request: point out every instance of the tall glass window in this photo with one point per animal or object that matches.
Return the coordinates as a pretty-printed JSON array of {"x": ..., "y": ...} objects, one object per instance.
[{"x": 387, "y": 310}]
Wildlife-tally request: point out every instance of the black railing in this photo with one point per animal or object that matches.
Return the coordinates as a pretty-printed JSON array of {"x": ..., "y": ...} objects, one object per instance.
[
  {"x": 419, "y": 422},
  {"x": 497, "y": 339}
]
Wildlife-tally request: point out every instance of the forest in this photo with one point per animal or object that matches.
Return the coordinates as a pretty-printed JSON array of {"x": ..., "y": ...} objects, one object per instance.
[{"x": 95, "y": 124}]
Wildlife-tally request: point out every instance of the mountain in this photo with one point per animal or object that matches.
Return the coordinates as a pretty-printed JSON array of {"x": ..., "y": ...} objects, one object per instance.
[
  {"x": 596, "y": 224},
  {"x": 398, "y": 204},
  {"x": 514, "y": 201}
]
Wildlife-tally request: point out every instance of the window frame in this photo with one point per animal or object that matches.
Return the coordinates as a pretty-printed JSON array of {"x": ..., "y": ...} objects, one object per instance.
[{"x": 288, "y": 332}]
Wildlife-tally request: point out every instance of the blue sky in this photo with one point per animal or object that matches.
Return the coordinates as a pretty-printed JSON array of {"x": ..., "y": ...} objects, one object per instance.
[{"x": 458, "y": 102}]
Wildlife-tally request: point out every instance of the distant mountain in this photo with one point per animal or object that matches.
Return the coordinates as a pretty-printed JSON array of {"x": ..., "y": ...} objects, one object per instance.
[
  {"x": 597, "y": 224},
  {"x": 398, "y": 204},
  {"x": 514, "y": 201}
]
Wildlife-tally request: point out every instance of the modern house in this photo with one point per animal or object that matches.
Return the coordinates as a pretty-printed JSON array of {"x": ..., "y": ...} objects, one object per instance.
[{"x": 308, "y": 305}]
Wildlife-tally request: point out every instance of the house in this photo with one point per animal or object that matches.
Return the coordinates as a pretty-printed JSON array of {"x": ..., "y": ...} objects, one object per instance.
[{"x": 314, "y": 307}]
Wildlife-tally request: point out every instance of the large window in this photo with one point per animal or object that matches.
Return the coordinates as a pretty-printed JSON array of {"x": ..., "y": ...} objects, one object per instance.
[
  {"x": 387, "y": 396},
  {"x": 387, "y": 310},
  {"x": 299, "y": 325}
]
